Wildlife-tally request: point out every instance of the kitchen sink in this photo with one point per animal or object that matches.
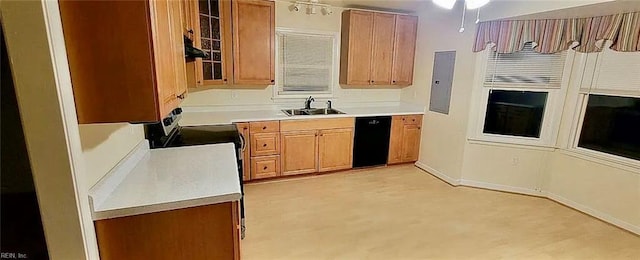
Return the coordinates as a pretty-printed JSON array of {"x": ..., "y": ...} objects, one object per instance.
[{"x": 312, "y": 112}]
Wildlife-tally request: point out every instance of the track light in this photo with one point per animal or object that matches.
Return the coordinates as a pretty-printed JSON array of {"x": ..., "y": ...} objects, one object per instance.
[
  {"x": 311, "y": 7},
  {"x": 326, "y": 10},
  {"x": 295, "y": 7}
]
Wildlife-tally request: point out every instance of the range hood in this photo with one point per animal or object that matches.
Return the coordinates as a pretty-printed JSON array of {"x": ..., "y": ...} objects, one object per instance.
[{"x": 191, "y": 52}]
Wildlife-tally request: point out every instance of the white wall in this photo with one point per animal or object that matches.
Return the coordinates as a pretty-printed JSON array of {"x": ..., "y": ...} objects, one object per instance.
[
  {"x": 262, "y": 95},
  {"x": 596, "y": 188},
  {"x": 104, "y": 145},
  {"x": 43, "y": 117},
  {"x": 606, "y": 192},
  {"x": 443, "y": 135}
]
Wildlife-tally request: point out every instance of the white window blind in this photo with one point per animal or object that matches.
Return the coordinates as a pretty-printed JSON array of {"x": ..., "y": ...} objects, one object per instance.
[
  {"x": 306, "y": 63},
  {"x": 618, "y": 71},
  {"x": 526, "y": 68}
]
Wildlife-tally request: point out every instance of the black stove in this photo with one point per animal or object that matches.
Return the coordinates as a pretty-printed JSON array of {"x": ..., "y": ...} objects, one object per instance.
[{"x": 168, "y": 133}]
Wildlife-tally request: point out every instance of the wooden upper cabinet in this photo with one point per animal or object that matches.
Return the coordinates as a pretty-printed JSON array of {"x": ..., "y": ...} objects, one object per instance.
[
  {"x": 299, "y": 152},
  {"x": 377, "y": 48},
  {"x": 383, "y": 40},
  {"x": 211, "y": 29},
  {"x": 335, "y": 149},
  {"x": 253, "y": 42},
  {"x": 357, "y": 43},
  {"x": 126, "y": 59},
  {"x": 404, "y": 49}
]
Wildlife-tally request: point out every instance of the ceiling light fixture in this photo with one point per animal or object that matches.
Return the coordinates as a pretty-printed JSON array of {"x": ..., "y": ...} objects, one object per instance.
[
  {"x": 471, "y": 4},
  {"x": 327, "y": 10},
  {"x": 474, "y": 4},
  {"x": 446, "y": 4},
  {"x": 294, "y": 7},
  {"x": 311, "y": 7}
]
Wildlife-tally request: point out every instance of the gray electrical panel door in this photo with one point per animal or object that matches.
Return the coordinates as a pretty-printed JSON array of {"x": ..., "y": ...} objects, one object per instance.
[{"x": 441, "y": 83}]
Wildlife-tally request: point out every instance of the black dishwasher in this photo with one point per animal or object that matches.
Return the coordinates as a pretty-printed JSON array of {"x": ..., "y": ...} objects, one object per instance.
[{"x": 371, "y": 142}]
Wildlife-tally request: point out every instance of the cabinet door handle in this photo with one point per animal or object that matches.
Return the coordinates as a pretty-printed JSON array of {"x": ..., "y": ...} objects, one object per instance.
[
  {"x": 394, "y": 82},
  {"x": 190, "y": 31},
  {"x": 273, "y": 80}
]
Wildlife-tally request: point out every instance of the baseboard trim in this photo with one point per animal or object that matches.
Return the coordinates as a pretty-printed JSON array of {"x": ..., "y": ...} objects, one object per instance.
[
  {"x": 594, "y": 213},
  {"x": 438, "y": 174},
  {"x": 500, "y": 187},
  {"x": 518, "y": 190}
]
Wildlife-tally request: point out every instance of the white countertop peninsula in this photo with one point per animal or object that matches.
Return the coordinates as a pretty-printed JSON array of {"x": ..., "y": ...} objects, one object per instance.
[{"x": 148, "y": 181}]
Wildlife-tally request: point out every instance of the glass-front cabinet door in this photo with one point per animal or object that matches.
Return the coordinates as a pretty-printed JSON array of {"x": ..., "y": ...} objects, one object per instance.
[{"x": 212, "y": 34}]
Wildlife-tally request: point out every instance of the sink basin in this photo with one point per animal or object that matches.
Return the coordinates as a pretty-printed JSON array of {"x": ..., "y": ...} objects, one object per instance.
[
  {"x": 312, "y": 112},
  {"x": 295, "y": 112}
]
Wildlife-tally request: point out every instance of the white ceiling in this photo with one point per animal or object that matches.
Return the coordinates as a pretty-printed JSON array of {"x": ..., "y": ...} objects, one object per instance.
[
  {"x": 503, "y": 6},
  {"x": 614, "y": 7}
]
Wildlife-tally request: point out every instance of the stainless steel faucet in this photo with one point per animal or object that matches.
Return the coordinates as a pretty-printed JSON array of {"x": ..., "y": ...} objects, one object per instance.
[
  {"x": 328, "y": 104},
  {"x": 307, "y": 103}
]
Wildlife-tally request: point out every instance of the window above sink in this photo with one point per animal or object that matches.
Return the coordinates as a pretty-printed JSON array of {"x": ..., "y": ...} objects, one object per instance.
[{"x": 306, "y": 63}]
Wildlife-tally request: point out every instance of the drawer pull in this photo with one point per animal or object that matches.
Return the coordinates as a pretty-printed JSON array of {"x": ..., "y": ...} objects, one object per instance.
[
  {"x": 264, "y": 128},
  {"x": 265, "y": 168},
  {"x": 264, "y": 145}
]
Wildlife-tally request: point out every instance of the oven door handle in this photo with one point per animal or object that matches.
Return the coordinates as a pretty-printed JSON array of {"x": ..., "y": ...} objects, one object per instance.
[{"x": 242, "y": 143}]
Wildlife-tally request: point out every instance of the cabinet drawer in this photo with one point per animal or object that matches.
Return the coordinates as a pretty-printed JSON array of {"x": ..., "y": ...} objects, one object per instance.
[
  {"x": 264, "y": 127},
  {"x": 412, "y": 120},
  {"x": 265, "y": 167},
  {"x": 265, "y": 144}
]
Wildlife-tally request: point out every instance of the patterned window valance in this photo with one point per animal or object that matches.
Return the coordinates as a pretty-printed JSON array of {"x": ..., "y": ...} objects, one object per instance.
[{"x": 556, "y": 35}]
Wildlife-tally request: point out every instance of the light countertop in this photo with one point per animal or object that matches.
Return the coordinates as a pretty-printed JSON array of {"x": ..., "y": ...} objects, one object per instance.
[
  {"x": 166, "y": 179},
  {"x": 194, "y": 118}
]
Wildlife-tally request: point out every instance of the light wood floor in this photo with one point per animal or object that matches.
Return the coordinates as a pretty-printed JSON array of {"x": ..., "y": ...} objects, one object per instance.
[{"x": 401, "y": 212}]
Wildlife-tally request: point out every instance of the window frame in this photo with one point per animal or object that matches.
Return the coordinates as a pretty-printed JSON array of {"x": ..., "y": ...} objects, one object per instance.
[
  {"x": 583, "y": 99},
  {"x": 551, "y": 119},
  {"x": 584, "y": 85},
  {"x": 278, "y": 66}
]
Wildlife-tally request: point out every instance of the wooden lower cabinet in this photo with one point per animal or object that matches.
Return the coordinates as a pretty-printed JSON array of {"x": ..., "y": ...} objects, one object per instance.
[
  {"x": 335, "y": 149},
  {"x": 410, "y": 142},
  {"x": 395, "y": 141},
  {"x": 299, "y": 152},
  {"x": 265, "y": 167},
  {"x": 404, "y": 143},
  {"x": 265, "y": 144},
  {"x": 204, "y": 232}
]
